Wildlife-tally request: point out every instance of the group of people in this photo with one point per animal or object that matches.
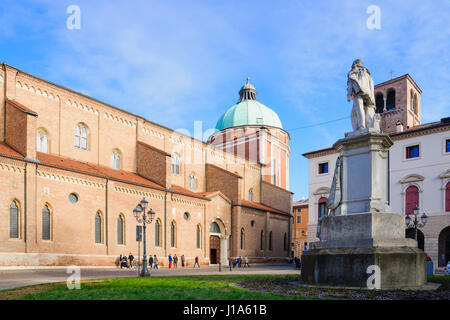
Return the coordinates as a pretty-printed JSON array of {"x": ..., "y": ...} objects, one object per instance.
[
  {"x": 127, "y": 261},
  {"x": 238, "y": 262}
]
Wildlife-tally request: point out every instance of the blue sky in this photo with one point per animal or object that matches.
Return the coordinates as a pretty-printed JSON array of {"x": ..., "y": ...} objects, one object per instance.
[{"x": 175, "y": 62}]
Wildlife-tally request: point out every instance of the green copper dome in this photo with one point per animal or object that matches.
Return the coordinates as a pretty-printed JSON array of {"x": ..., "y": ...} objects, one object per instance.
[{"x": 248, "y": 111}]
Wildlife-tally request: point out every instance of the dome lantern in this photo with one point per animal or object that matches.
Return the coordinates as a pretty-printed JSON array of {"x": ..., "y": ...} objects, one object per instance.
[{"x": 247, "y": 92}]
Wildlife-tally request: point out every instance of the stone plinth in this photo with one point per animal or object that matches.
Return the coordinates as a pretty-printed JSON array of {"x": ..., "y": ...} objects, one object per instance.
[
  {"x": 400, "y": 267},
  {"x": 363, "y": 233},
  {"x": 365, "y": 172}
]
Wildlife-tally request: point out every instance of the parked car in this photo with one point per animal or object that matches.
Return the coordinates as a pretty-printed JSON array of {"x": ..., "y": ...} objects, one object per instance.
[{"x": 447, "y": 269}]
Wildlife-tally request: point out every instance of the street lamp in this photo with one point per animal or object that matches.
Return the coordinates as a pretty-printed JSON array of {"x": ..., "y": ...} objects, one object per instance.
[
  {"x": 415, "y": 222},
  {"x": 144, "y": 217}
]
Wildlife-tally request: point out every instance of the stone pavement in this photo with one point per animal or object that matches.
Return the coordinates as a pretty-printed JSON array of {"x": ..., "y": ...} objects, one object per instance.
[{"x": 20, "y": 277}]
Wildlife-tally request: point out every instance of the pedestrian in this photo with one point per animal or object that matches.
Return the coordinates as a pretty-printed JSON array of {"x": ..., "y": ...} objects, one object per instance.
[
  {"x": 170, "y": 261},
  {"x": 304, "y": 249},
  {"x": 182, "y": 260},
  {"x": 175, "y": 261},
  {"x": 131, "y": 258},
  {"x": 120, "y": 261},
  {"x": 196, "y": 262},
  {"x": 124, "y": 259},
  {"x": 246, "y": 262},
  {"x": 155, "y": 262},
  {"x": 240, "y": 261},
  {"x": 150, "y": 261},
  {"x": 237, "y": 262}
]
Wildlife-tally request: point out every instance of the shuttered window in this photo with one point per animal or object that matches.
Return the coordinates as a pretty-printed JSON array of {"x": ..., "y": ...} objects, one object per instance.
[
  {"x": 173, "y": 235},
  {"x": 13, "y": 220},
  {"x": 45, "y": 223},
  {"x": 447, "y": 197},
  {"x": 120, "y": 230},
  {"x": 157, "y": 236},
  {"x": 98, "y": 228},
  {"x": 270, "y": 240},
  {"x": 412, "y": 199},
  {"x": 199, "y": 233}
]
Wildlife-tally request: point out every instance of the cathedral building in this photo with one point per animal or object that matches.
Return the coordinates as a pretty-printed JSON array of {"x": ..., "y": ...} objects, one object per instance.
[
  {"x": 418, "y": 165},
  {"x": 73, "y": 168}
]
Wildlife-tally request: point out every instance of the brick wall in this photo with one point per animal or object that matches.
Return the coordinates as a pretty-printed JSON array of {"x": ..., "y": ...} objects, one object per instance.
[
  {"x": 275, "y": 197},
  {"x": 152, "y": 163},
  {"x": 223, "y": 181}
]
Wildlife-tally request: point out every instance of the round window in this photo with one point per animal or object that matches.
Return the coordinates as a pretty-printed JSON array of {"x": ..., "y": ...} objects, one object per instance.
[
  {"x": 73, "y": 198},
  {"x": 186, "y": 215}
]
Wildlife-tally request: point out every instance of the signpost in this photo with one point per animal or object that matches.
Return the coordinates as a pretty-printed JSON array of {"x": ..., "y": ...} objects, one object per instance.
[{"x": 139, "y": 239}]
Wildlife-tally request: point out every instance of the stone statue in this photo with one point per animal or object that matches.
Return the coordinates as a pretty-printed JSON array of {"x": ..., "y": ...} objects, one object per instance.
[
  {"x": 360, "y": 90},
  {"x": 335, "y": 198}
]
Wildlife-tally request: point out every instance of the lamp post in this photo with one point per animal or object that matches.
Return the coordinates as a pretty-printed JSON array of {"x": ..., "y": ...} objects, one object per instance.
[
  {"x": 143, "y": 216},
  {"x": 415, "y": 222}
]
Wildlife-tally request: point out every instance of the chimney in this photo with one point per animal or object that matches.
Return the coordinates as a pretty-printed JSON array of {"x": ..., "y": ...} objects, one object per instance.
[{"x": 399, "y": 126}]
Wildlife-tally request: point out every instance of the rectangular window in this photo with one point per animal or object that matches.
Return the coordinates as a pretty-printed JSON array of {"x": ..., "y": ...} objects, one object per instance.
[
  {"x": 412, "y": 152},
  {"x": 323, "y": 168},
  {"x": 299, "y": 219},
  {"x": 447, "y": 145}
]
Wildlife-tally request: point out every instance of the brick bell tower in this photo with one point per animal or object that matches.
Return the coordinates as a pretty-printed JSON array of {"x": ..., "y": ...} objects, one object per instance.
[{"x": 398, "y": 102}]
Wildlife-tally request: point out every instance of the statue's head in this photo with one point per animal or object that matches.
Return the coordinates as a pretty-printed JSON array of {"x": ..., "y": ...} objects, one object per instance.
[{"x": 358, "y": 63}]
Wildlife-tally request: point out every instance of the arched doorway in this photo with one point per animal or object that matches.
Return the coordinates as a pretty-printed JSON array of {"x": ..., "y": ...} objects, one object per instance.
[
  {"x": 409, "y": 233},
  {"x": 444, "y": 247},
  {"x": 218, "y": 250}
]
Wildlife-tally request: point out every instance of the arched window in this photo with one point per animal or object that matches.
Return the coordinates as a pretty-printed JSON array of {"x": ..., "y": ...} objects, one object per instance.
[
  {"x": 13, "y": 220},
  {"x": 46, "y": 223},
  {"x": 250, "y": 195},
  {"x": 411, "y": 199},
  {"x": 175, "y": 164},
  {"x": 322, "y": 207},
  {"x": 261, "y": 245},
  {"x": 274, "y": 171},
  {"x": 192, "y": 182},
  {"x": 120, "y": 229},
  {"x": 379, "y": 102},
  {"x": 81, "y": 136},
  {"x": 157, "y": 234},
  {"x": 115, "y": 159},
  {"x": 214, "y": 228},
  {"x": 270, "y": 240},
  {"x": 98, "y": 228},
  {"x": 199, "y": 237},
  {"x": 390, "y": 100},
  {"x": 414, "y": 105},
  {"x": 41, "y": 141},
  {"x": 173, "y": 234},
  {"x": 242, "y": 239},
  {"x": 285, "y": 242},
  {"x": 447, "y": 197}
]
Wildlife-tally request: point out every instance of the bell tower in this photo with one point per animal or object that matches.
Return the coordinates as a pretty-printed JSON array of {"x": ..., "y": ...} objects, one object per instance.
[{"x": 398, "y": 102}]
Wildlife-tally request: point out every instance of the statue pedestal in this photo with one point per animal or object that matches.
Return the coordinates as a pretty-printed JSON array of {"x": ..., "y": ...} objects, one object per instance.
[{"x": 364, "y": 232}]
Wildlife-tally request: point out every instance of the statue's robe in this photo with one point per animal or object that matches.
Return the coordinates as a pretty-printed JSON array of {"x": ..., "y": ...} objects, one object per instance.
[{"x": 362, "y": 85}]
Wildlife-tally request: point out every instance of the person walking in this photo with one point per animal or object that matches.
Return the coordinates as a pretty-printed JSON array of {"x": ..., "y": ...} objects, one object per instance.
[
  {"x": 131, "y": 258},
  {"x": 155, "y": 262},
  {"x": 120, "y": 261},
  {"x": 175, "y": 261},
  {"x": 124, "y": 259},
  {"x": 182, "y": 260},
  {"x": 196, "y": 262},
  {"x": 246, "y": 262},
  {"x": 170, "y": 261},
  {"x": 150, "y": 261}
]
